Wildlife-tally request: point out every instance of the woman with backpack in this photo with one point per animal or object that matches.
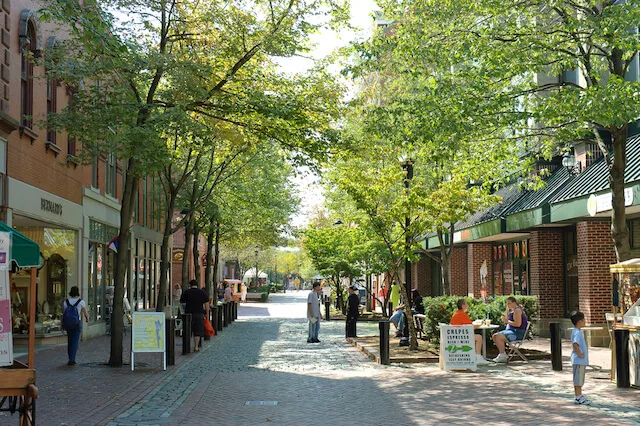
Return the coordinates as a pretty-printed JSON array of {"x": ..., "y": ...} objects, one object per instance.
[{"x": 74, "y": 309}]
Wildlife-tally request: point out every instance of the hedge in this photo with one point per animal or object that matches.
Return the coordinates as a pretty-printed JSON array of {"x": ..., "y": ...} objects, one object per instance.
[{"x": 440, "y": 309}]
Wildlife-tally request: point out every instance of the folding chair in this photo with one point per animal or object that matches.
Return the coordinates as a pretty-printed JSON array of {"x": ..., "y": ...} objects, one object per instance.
[
  {"x": 418, "y": 324},
  {"x": 514, "y": 347}
]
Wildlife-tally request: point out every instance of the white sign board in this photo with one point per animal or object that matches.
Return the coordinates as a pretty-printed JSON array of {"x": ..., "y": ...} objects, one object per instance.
[
  {"x": 5, "y": 251},
  {"x": 457, "y": 347},
  {"x": 6, "y": 337},
  {"x": 148, "y": 335},
  {"x": 602, "y": 203}
]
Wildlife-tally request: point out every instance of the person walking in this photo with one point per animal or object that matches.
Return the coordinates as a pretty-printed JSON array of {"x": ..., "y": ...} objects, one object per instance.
[
  {"x": 243, "y": 292},
  {"x": 394, "y": 298},
  {"x": 313, "y": 313},
  {"x": 197, "y": 304},
  {"x": 74, "y": 310},
  {"x": 353, "y": 312}
]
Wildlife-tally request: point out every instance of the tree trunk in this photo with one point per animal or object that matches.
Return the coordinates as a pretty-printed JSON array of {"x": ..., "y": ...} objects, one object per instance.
[
  {"x": 165, "y": 254},
  {"x": 445, "y": 258},
  {"x": 122, "y": 260},
  {"x": 368, "y": 286},
  {"x": 208, "y": 264},
  {"x": 186, "y": 252},
  {"x": 413, "y": 336},
  {"x": 619, "y": 229},
  {"x": 196, "y": 253},
  {"x": 216, "y": 256}
]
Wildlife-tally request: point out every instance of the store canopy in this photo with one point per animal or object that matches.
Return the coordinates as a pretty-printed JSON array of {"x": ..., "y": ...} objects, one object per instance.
[
  {"x": 24, "y": 252},
  {"x": 628, "y": 266},
  {"x": 251, "y": 273}
]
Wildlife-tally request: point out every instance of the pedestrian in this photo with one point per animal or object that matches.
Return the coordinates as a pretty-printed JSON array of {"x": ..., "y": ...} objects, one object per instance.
[
  {"x": 313, "y": 313},
  {"x": 394, "y": 298},
  {"x": 243, "y": 292},
  {"x": 579, "y": 357},
  {"x": 74, "y": 309},
  {"x": 353, "y": 312},
  {"x": 228, "y": 292},
  {"x": 197, "y": 304}
]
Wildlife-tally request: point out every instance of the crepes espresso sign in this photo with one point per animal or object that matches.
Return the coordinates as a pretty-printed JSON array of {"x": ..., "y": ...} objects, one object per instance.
[{"x": 50, "y": 207}]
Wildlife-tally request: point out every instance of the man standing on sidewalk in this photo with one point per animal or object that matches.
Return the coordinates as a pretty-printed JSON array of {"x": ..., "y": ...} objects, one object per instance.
[
  {"x": 313, "y": 313},
  {"x": 353, "y": 305}
]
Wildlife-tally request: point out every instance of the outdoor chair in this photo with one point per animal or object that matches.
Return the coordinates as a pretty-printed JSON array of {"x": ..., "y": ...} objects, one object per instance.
[
  {"x": 513, "y": 348},
  {"x": 418, "y": 322}
]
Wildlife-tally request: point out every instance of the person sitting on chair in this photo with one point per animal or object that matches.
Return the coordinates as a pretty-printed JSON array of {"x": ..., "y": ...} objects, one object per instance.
[
  {"x": 397, "y": 319},
  {"x": 460, "y": 317},
  {"x": 516, "y": 321}
]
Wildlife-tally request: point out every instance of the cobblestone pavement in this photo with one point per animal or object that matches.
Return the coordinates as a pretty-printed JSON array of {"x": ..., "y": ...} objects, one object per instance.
[{"x": 264, "y": 357}]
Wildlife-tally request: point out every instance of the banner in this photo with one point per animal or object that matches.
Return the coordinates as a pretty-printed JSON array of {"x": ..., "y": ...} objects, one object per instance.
[
  {"x": 6, "y": 336},
  {"x": 457, "y": 347}
]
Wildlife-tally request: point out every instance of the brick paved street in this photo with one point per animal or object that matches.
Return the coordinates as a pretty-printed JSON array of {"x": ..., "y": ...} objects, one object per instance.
[{"x": 264, "y": 357}]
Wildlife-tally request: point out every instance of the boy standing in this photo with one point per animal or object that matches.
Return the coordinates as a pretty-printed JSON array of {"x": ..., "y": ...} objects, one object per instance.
[{"x": 579, "y": 357}]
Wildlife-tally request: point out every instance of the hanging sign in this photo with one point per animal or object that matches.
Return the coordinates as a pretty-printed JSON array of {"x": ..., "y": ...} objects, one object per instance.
[
  {"x": 148, "y": 335},
  {"x": 5, "y": 251},
  {"x": 6, "y": 337},
  {"x": 457, "y": 347}
]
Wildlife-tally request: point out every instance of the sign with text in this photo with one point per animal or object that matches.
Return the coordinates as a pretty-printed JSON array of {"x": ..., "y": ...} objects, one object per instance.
[
  {"x": 5, "y": 251},
  {"x": 148, "y": 334},
  {"x": 602, "y": 203},
  {"x": 457, "y": 347},
  {"x": 6, "y": 337}
]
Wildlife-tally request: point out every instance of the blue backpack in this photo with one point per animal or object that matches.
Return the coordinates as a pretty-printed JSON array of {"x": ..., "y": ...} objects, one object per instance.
[{"x": 70, "y": 318}]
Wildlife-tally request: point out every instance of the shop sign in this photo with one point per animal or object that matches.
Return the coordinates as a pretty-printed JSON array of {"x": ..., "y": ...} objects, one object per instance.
[
  {"x": 147, "y": 335},
  {"x": 457, "y": 347},
  {"x": 6, "y": 338},
  {"x": 602, "y": 203},
  {"x": 5, "y": 251},
  {"x": 50, "y": 206}
]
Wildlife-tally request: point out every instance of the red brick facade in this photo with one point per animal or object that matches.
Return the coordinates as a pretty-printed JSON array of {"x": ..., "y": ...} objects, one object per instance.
[
  {"x": 421, "y": 276},
  {"x": 458, "y": 271},
  {"x": 595, "y": 254},
  {"x": 476, "y": 255},
  {"x": 546, "y": 272}
]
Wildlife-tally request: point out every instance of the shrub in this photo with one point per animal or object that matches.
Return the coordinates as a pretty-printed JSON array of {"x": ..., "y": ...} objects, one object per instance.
[{"x": 439, "y": 310}]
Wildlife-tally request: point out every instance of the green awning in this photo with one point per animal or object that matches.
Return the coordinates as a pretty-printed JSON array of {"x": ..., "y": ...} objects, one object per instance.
[{"x": 23, "y": 251}]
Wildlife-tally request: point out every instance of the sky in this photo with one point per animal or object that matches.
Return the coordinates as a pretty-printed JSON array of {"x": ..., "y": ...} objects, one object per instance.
[{"x": 324, "y": 43}]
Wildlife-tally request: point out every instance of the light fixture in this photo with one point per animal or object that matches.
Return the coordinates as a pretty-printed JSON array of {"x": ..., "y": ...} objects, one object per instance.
[{"x": 569, "y": 162}]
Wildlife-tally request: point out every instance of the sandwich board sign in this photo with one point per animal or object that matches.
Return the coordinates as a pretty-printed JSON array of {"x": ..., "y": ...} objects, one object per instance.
[
  {"x": 148, "y": 335},
  {"x": 457, "y": 347}
]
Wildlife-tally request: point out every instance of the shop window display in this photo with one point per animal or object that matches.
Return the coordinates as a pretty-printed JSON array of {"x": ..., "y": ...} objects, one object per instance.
[{"x": 511, "y": 269}]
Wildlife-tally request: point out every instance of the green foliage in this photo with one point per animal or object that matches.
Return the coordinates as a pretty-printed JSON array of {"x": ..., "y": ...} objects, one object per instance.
[{"x": 440, "y": 309}]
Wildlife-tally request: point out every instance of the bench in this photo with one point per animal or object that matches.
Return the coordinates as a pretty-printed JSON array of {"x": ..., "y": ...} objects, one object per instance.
[{"x": 254, "y": 296}]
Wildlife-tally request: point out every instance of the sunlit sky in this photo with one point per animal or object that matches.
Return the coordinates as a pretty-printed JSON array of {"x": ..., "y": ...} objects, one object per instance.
[{"x": 324, "y": 43}]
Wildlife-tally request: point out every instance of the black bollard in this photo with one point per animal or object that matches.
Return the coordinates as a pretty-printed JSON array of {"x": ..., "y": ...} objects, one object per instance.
[
  {"x": 170, "y": 336},
  {"x": 223, "y": 308},
  {"x": 226, "y": 314},
  {"x": 390, "y": 308},
  {"x": 186, "y": 334},
  {"x": 621, "y": 337},
  {"x": 235, "y": 310},
  {"x": 220, "y": 318},
  {"x": 384, "y": 342},
  {"x": 214, "y": 317},
  {"x": 556, "y": 346},
  {"x": 327, "y": 311}
]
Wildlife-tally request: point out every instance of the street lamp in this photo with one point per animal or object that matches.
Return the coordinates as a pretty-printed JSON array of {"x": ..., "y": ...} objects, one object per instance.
[
  {"x": 407, "y": 167},
  {"x": 569, "y": 161},
  {"x": 257, "y": 284}
]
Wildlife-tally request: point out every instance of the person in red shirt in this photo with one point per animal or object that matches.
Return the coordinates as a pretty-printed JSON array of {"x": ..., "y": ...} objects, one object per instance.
[{"x": 460, "y": 317}]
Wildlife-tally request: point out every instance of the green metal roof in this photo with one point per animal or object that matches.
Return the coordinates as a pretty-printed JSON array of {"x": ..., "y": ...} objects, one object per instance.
[
  {"x": 24, "y": 252},
  {"x": 596, "y": 177},
  {"x": 534, "y": 199},
  {"x": 510, "y": 195}
]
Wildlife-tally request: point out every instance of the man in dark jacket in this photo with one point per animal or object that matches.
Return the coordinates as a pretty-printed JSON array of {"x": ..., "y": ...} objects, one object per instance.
[
  {"x": 197, "y": 304},
  {"x": 353, "y": 303}
]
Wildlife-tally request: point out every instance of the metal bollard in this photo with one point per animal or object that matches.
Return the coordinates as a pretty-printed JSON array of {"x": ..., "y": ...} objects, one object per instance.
[
  {"x": 327, "y": 311},
  {"x": 170, "y": 336},
  {"x": 225, "y": 320},
  {"x": 556, "y": 346},
  {"x": 220, "y": 319},
  {"x": 622, "y": 358},
  {"x": 186, "y": 334},
  {"x": 384, "y": 342},
  {"x": 214, "y": 317},
  {"x": 235, "y": 310}
]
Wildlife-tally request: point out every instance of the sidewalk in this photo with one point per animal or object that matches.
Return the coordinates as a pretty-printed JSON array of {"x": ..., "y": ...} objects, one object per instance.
[{"x": 92, "y": 392}]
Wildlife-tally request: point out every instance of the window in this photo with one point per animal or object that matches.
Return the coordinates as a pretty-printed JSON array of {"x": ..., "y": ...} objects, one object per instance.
[
  {"x": 94, "y": 172},
  {"x": 144, "y": 202},
  {"x": 52, "y": 108},
  {"x": 71, "y": 145},
  {"x": 634, "y": 233},
  {"x": 111, "y": 175},
  {"x": 26, "y": 77}
]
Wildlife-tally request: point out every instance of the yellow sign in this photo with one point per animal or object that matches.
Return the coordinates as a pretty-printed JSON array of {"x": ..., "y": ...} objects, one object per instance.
[{"x": 148, "y": 332}]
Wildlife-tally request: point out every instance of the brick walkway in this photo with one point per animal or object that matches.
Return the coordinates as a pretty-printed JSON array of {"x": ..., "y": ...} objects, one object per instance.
[{"x": 264, "y": 357}]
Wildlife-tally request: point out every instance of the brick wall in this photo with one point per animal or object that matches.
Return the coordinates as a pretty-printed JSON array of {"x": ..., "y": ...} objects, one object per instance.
[
  {"x": 458, "y": 271},
  {"x": 595, "y": 254},
  {"x": 476, "y": 255},
  {"x": 546, "y": 272},
  {"x": 421, "y": 276}
]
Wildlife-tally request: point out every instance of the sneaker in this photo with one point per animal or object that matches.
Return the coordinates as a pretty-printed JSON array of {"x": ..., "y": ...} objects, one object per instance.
[
  {"x": 309, "y": 341},
  {"x": 315, "y": 341},
  {"x": 71, "y": 363},
  {"x": 480, "y": 360},
  {"x": 581, "y": 400},
  {"x": 501, "y": 358}
]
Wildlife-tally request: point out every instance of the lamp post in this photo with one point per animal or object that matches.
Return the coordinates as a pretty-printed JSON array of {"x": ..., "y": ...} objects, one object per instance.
[
  {"x": 569, "y": 161},
  {"x": 256, "y": 268},
  {"x": 407, "y": 167}
]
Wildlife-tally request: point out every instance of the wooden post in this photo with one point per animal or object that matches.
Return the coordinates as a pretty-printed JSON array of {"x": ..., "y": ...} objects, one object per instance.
[{"x": 32, "y": 319}]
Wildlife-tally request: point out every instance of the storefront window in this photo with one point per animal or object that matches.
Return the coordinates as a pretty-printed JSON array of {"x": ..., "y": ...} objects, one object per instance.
[
  {"x": 100, "y": 269},
  {"x": 511, "y": 269}
]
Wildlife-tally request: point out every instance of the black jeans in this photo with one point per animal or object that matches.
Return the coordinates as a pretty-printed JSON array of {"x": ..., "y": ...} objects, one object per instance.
[{"x": 350, "y": 328}]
